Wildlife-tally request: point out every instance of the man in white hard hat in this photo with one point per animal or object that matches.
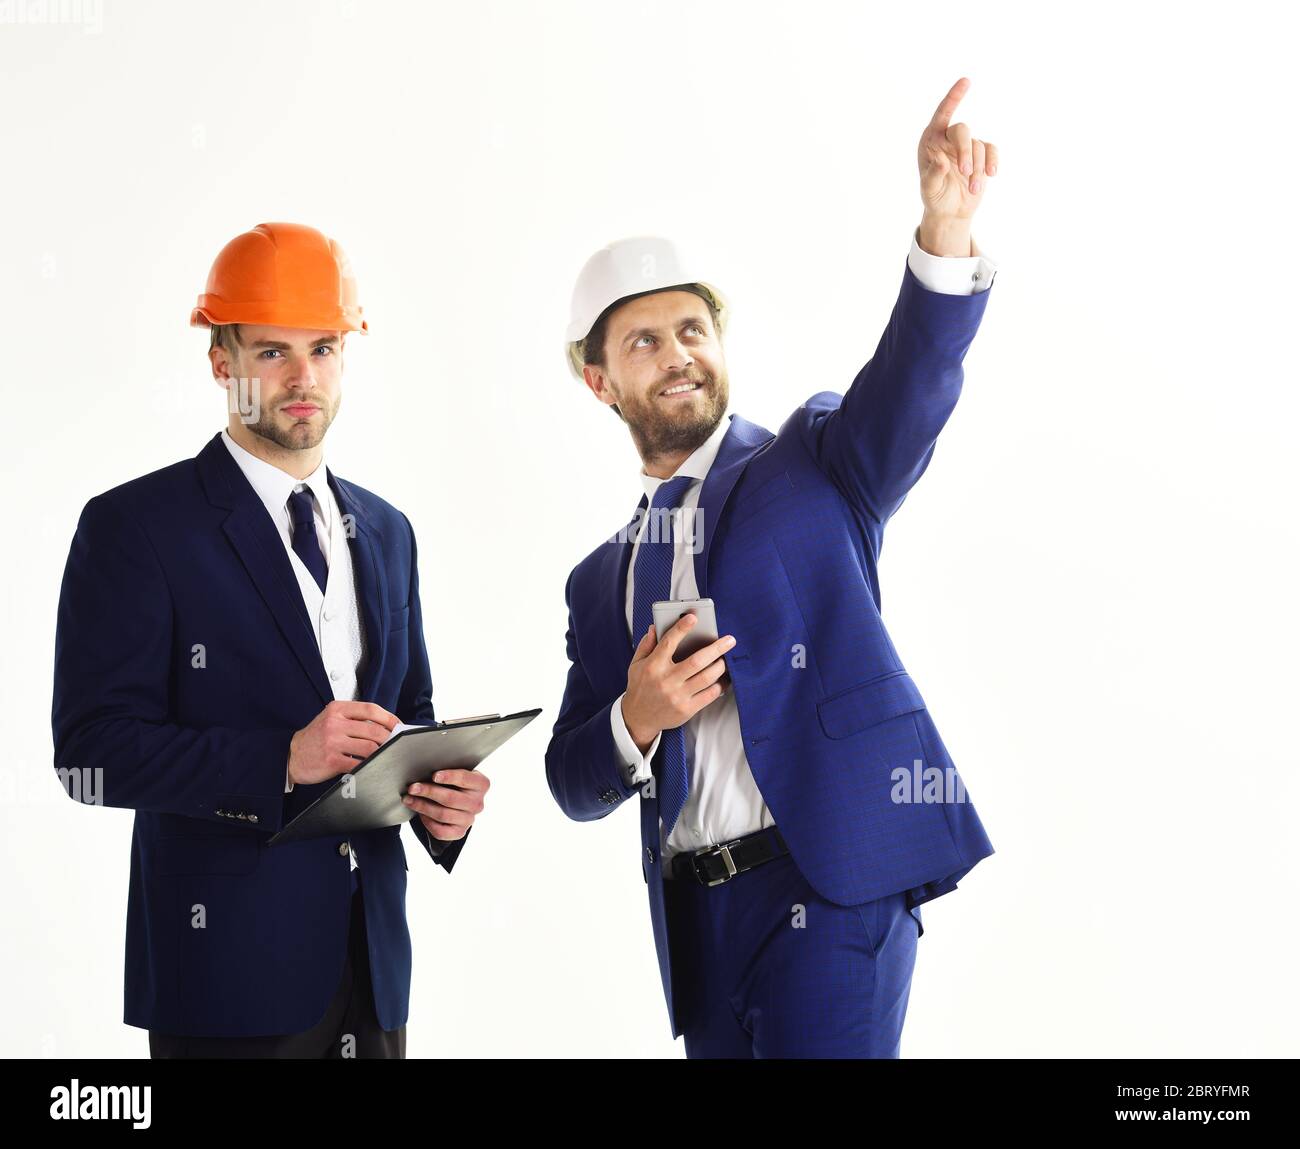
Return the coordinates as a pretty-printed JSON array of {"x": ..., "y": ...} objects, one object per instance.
[{"x": 785, "y": 846}]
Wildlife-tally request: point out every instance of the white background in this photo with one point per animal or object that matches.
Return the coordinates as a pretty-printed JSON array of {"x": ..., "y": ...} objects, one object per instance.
[{"x": 1092, "y": 584}]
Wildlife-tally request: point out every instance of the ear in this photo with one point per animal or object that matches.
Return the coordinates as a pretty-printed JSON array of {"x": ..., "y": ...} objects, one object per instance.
[
  {"x": 219, "y": 357},
  {"x": 598, "y": 383}
]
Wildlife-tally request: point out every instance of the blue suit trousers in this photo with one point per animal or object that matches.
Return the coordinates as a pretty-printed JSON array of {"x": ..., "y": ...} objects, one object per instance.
[{"x": 765, "y": 967}]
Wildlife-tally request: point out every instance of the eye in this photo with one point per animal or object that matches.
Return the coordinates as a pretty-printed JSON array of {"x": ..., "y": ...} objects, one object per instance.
[
  {"x": 638, "y": 339},
  {"x": 696, "y": 327},
  {"x": 328, "y": 350},
  {"x": 268, "y": 351}
]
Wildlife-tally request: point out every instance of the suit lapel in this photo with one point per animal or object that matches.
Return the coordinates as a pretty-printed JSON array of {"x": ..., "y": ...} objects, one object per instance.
[
  {"x": 613, "y": 584},
  {"x": 260, "y": 549},
  {"x": 738, "y": 446}
]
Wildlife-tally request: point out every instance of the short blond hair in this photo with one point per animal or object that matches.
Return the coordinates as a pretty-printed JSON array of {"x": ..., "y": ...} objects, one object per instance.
[{"x": 226, "y": 335}]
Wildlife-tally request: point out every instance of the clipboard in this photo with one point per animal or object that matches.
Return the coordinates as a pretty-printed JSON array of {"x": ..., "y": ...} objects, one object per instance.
[{"x": 379, "y": 783}]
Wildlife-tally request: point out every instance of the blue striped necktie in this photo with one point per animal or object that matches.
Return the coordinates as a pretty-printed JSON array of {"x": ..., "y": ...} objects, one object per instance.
[
  {"x": 306, "y": 544},
  {"x": 651, "y": 583}
]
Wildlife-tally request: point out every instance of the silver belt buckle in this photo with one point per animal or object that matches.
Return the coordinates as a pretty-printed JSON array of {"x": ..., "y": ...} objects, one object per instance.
[{"x": 725, "y": 851}]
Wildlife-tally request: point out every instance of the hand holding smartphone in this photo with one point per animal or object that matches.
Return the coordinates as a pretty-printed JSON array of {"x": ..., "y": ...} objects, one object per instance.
[{"x": 701, "y": 634}]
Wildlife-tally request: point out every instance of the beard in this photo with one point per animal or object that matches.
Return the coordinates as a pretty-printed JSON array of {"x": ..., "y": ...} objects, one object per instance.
[
  {"x": 657, "y": 429},
  {"x": 299, "y": 435}
]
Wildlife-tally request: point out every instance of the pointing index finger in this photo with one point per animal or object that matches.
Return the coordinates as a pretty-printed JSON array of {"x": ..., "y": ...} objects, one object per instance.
[{"x": 943, "y": 113}]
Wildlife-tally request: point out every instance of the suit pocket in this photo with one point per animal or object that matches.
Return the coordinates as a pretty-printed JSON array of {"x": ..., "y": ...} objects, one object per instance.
[
  {"x": 878, "y": 919},
  {"x": 870, "y": 913},
  {"x": 397, "y": 619},
  {"x": 183, "y": 826},
  {"x": 869, "y": 704},
  {"x": 208, "y": 854}
]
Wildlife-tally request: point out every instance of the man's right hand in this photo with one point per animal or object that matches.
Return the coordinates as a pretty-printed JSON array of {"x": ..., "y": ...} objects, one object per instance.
[
  {"x": 337, "y": 739},
  {"x": 663, "y": 694}
]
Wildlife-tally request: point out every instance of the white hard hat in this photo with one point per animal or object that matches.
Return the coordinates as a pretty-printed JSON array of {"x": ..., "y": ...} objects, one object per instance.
[{"x": 623, "y": 268}]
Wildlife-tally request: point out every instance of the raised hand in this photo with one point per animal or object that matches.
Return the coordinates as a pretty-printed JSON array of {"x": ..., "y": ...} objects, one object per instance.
[{"x": 954, "y": 166}]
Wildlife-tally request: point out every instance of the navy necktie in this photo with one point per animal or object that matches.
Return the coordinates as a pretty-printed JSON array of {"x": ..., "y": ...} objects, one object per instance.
[
  {"x": 306, "y": 545},
  {"x": 651, "y": 583}
]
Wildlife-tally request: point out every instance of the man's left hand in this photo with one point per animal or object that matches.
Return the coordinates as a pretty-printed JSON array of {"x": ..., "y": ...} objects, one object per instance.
[{"x": 448, "y": 803}]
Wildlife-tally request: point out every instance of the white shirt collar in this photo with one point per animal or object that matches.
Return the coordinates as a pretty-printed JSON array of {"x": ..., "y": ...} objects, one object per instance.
[
  {"x": 696, "y": 464},
  {"x": 274, "y": 486}
]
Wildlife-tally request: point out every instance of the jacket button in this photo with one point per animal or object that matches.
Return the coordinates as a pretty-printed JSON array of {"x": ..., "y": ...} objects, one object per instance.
[
  {"x": 343, "y": 849},
  {"x": 252, "y": 817},
  {"x": 649, "y": 855}
]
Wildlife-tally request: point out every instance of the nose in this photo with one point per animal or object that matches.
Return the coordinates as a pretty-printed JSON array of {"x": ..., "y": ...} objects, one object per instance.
[
  {"x": 676, "y": 357},
  {"x": 302, "y": 374}
]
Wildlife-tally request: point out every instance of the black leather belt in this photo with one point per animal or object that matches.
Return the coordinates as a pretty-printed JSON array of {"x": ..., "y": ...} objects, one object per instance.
[{"x": 717, "y": 864}]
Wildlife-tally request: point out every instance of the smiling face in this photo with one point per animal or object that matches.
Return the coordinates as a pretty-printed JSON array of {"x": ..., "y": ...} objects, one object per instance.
[
  {"x": 301, "y": 374},
  {"x": 663, "y": 365}
]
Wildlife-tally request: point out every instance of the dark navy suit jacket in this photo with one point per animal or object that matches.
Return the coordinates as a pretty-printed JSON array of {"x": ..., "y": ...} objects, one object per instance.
[
  {"x": 184, "y": 662},
  {"x": 792, "y": 525}
]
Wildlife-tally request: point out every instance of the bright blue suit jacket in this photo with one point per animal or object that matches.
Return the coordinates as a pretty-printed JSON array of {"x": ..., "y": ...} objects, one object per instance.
[
  {"x": 226, "y": 936},
  {"x": 792, "y": 526}
]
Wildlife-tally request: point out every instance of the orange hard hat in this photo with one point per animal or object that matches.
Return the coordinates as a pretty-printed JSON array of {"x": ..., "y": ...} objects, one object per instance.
[{"x": 283, "y": 275}]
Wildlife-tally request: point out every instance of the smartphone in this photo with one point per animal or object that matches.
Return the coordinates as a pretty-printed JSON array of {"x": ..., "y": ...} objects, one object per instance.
[{"x": 701, "y": 634}]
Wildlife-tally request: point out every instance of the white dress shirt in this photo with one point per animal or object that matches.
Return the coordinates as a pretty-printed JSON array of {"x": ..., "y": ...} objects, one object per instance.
[
  {"x": 335, "y": 614},
  {"x": 723, "y": 802}
]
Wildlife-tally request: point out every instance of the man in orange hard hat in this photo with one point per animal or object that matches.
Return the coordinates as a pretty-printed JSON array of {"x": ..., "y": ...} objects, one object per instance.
[{"x": 234, "y": 632}]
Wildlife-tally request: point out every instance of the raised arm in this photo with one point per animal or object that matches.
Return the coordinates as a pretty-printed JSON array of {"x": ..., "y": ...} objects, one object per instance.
[{"x": 877, "y": 441}]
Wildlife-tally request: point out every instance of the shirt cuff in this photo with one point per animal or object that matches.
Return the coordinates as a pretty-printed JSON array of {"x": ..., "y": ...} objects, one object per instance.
[
  {"x": 288, "y": 786},
  {"x": 636, "y": 766},
  {"x": 951, "y": 274}
]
